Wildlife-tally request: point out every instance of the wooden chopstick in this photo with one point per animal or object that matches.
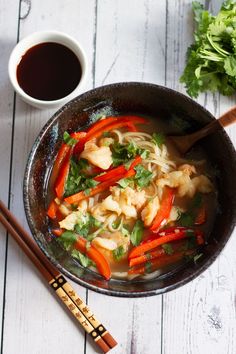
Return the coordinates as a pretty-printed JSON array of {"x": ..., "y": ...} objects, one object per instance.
[{"x": 62, "y": 288}]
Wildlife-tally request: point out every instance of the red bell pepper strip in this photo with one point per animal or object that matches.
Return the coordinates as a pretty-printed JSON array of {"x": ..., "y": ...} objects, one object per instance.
[
  {"x": 201, "y": 216},
  {"x": 154, "y": 264},
  {"x": 101, "y": 124},
  {"x": 141, "y": 249},
  {"x": 120, "y": 123},
  {"x": 127, "y": 121},
  {"x": 57, "y": 232},
  {"x": 101, "y": 187},
  {"x": 176, "y": 246},
  {"x": 165, "y": 208},
  {"x": 117, "y": 171},
  {"x": 52, "y": 210},
  {"x": 146, "y": 257},
  {"x": 164, "y": 232},
  {"x": 97, "y": 257},
  {"x": 62, "y": 176},
  {"x": 62, "y": 153},
  {"x": 132, "y": 128},
  {"x": 78, "y": 135}
]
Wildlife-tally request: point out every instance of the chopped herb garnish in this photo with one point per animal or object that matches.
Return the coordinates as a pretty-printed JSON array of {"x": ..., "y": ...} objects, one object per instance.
[
  {"x": 77, "y": 181},
  {"x": 68, "y": 139},
  {"x": 87, "y": 191},
  {"x": 137, "y": 233},
  {"x": 118, "y": 253},
  {"x": 143, "y": 176},
  {"x": 84, "y": 260},
  {"x": 167, "y": 247},
  {"x": 158, "y": 139},
  {"x": 85, "y": 224},
  {"x": 67, "y": 239},
  {"x": 123, "y": 153},
  {"x": 124, "y": 231},
  {"x": 144, "y": 154},
  {"x": 186, "y": 220},
  {"x": 148, "y": 267},
  {"x": 125, "y": 182},
  {"x": 106, "y": 134}
]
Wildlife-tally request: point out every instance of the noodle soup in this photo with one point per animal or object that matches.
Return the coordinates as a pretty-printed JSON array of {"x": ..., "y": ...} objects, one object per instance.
[{"x": 124, "y": 203}]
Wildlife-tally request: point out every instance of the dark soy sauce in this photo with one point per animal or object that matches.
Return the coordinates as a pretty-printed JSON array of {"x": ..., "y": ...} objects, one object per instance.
[{"x": 48, "y": 71}]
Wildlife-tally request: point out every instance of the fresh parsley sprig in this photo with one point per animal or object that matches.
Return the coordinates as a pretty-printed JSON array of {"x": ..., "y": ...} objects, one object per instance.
[{"x": 211, "y": 59}]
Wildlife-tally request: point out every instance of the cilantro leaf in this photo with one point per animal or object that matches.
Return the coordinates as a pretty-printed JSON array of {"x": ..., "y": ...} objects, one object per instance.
[
  {"x": 211, "y": 60},
  {"x": 68, "y": 139},
  {"x": 158, "y": 139},
  {"x": 67, "y": 239},
  {"x": 84, "y": 260},
  {"x": 143, "y": 176},
  {"x": 168, "y": 248},
  {"x": 85, "y": 224},
  {"x": 123, "y": 153},
  {"x": 118, "y": 253},
  {"x": 77, "y": 180},
  {"x": 186, "y": 220},
  {"x": 125, "y": 182},
  {"x": 137, "y": 233}
]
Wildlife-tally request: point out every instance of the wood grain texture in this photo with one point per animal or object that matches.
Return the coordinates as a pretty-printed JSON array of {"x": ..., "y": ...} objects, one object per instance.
[
  {"x": 34, "y": 314},
  {"x": 9, "y": 9},
  {"x": 132, "y": 39},
  {"x": 199, "y": 317},
  {"x": 125, "y": 40}
]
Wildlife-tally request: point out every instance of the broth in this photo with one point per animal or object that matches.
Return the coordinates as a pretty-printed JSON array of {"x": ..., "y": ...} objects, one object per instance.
[{"x": 130, "y": 199}]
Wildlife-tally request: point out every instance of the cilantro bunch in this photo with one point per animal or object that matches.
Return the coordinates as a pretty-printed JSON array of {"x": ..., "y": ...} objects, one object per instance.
[{"x": 211, "y": 60}]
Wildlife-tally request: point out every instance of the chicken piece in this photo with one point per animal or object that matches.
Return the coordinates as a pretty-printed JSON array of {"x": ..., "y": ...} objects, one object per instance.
[
  {"x": 106, "y": 141},
  {"x": 174, "y": 214},
  {"x": 136, "y": 198},
  {"x": 129, "y": 197},
  {"x": 149, "y": 212},
  {"x": 105, "y": 243},
  {"x": 184, "y": 184},
  {"x": 188, "y": 169},
  {"x": 203, "y": 184},
  {"x": 186, "y": 187},
  {"x": 171, "y": 179},
  {"x": 64, "y": 210},
  {"x": 111, "y": 205},
  {"x": 118, "y": 238},
  {"x": 98, "y": 212},
  {"x": 98, "y": 156},
  {"x": 83, "y": 206},
  {"x": 128, "y": 210},
  {"x": 70, "y": 221}
]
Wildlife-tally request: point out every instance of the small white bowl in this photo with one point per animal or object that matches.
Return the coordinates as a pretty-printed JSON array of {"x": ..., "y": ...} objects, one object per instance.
[{"x": 42, "y": 37}]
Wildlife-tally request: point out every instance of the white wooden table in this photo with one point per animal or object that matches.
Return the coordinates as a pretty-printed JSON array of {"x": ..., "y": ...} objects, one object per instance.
[{"x": 125, "y": 40}]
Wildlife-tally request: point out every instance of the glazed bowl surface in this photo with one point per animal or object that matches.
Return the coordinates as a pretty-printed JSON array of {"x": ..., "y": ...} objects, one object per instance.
[{"x": 183, "y": 115}]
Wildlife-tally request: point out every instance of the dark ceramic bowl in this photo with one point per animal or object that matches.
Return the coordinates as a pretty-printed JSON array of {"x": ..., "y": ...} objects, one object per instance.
[{"x": 136, "y": 98}]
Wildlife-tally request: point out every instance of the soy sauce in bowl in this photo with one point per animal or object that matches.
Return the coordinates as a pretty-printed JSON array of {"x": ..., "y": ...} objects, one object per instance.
[{"x": 49, "y": 71}]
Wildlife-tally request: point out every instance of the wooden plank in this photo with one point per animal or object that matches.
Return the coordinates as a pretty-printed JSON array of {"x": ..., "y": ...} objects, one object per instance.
[
  {"x": 199, "y": 317},
  {"x": 130, "y": 47},
  {"x": 39, "y": 323},
  {"x": 9, "y": 9},
  {"x": 130, "y": 41}
]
